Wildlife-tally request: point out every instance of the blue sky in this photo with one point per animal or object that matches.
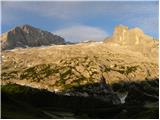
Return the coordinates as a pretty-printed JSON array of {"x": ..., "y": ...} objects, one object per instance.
[{"x": 77, "y": 21}]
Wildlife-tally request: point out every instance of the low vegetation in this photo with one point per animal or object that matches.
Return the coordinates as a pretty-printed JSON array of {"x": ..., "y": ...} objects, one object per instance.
[
  {"x": 35, "y": 101},
  {"x": 39, "y": 72}
]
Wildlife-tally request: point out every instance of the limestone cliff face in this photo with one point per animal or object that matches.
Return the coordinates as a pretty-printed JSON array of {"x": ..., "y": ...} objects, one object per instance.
[
  {"x": 125, "y": 36},
  {"x": 28, "y": 36},
  {"x": 133, "y": 39}
]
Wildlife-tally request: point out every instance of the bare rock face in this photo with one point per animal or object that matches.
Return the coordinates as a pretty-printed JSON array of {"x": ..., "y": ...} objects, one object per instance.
[
  {"x": 135, "y": 36},
  {"x": 134, "y": 39},
  {"x": 28, "y": 36}
]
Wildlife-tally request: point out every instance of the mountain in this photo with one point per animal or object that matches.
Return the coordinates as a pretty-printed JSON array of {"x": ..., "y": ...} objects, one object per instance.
[
  {"x": 28, "y": 36},
  {"x": 128, "y": 55},
  {"x": 118, "y": 76},
  {"x": 135, "y": 36},
  {"x": 133, "y": 39}
]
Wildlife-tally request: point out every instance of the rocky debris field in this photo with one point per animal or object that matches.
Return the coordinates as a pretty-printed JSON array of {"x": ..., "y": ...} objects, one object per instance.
[{"x": 63, "y": 66}]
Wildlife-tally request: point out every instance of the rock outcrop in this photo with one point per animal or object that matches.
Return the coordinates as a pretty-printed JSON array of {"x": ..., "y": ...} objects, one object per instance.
[
  {"x": 124, "y": 36},
  {"x": 28, "y": 36},
  {"x": 133, "y": 39}
]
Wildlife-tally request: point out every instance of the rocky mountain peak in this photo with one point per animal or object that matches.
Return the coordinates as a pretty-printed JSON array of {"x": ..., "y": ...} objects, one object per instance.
[
  {"x": 26, "y": 26},
  {"x": 120, "y": 29},
  {"x": 136, "y": 30},
  {"x": 28, "y": 36},
  {"x": 133, "y": 39},
  {"x": 122, "y": 35}
]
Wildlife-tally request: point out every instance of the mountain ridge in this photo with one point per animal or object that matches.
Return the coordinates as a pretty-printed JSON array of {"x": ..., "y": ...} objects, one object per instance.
[{"x": 28, "y": 36}]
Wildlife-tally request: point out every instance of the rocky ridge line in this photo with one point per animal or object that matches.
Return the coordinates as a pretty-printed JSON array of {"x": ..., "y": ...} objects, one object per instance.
[{"x": 28, "y": 36}]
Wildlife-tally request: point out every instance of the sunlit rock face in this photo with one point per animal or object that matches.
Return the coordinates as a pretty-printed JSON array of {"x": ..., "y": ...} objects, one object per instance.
[
  {"x": 134, "y": 39},
  {"x": 135, "y": 36},
  {"x": 120, "y": 34},
  {"x": 28, "y": 36}
]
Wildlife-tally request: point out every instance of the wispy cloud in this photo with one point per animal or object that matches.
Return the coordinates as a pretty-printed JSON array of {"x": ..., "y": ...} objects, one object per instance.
[
  {"x": 75, "y": 10},
  {"x": 60, "y": 10},
  {"x": 82, "y": 33},
  {"x": 104, "y": 14}
]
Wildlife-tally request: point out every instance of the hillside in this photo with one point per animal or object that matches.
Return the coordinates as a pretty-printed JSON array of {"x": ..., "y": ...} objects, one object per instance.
[
  {"x": 60, "y": 67},
  {"x": 114, "y": 78}
]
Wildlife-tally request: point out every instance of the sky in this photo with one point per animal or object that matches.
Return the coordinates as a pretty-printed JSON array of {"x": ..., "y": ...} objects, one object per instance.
[{"x": 81, "y": 20}]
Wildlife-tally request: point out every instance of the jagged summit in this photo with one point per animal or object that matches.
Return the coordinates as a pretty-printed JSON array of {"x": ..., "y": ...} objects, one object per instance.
[
  {"x": 26, "y": 25},
  {"x": 123, "y": 28},
  {"x": 133, "y": 39},
  {"x": 119, "y": 29},
  {"x": 136, "y": 30},
  {"x": 28, "y": 36},
  {"x": 125, "y": 36}
]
